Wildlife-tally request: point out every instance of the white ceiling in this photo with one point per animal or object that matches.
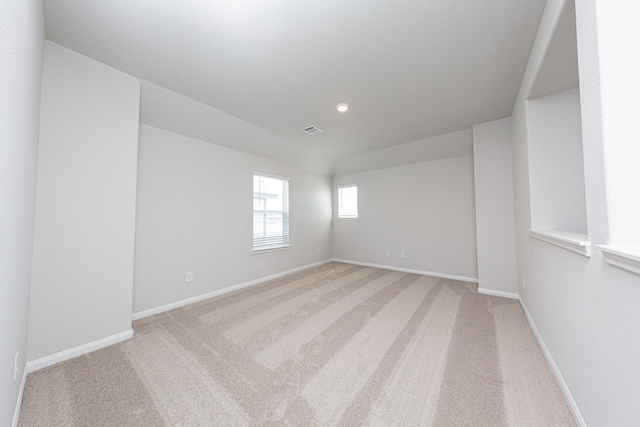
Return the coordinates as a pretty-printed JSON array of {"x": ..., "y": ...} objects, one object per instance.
[{"x": 409, "y": 69}]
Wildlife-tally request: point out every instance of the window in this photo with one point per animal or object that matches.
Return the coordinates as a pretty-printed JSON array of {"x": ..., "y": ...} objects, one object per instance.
[
  {"x": 348, "y": 202},
  {"x": 270, "y": 212}
]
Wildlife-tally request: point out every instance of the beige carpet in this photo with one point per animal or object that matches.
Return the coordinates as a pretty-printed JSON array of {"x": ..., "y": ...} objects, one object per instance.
[{"x": 337, "y": 345}]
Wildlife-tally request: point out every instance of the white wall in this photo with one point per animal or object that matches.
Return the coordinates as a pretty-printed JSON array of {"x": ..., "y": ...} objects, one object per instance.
[
  {"x": 194, "y": 215},
  {"x": 85, "y": 204},
  {"x": 454, "y": 144},
  {"x": 585, "y": 310},
  {"x": 21, "y": 49},
  {"x": 426, "y": 210},
  {"x": 556, "y": 161},
  {"x": 164, "y": 109},
  {"x": 495, "y": 228},
  {"x": 617, "y": 79}
]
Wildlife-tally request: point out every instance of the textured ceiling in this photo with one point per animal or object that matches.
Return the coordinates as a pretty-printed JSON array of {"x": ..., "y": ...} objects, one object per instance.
[{"x": 409, "y": 69}]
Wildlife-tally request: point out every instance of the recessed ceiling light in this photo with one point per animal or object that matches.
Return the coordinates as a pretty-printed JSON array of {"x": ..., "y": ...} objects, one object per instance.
[{"x": 342, "y": 107}]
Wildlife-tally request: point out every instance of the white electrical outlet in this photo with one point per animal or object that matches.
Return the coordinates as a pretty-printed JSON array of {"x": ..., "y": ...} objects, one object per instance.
[
  {"x": 388, "y": 253},
  {"x": 15, "y": 367},
  {"x": 402, "y": 254},
  {"x": 317, "y": 250},
  {"x": 189, "y": 277},
  {"x": 524, "y": 284}
]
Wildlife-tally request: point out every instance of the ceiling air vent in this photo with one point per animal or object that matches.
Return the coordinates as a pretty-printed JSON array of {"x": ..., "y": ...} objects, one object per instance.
[{"x": 312, "y": 130}]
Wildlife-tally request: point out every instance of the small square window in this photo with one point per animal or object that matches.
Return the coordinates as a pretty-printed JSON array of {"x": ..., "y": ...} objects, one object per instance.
[{"x": 348, "y": 202}]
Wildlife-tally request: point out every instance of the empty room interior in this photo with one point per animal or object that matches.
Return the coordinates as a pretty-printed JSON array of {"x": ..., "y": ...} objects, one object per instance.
[{"x": 320, "y": 213}]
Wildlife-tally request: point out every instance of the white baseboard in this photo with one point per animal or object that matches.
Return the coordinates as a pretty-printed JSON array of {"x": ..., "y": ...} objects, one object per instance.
[
  {"x": 181, "y": 303},
  {"x": 554, "y": 368},
  {"x": 78, "y": 351},
  {"x": 511, "y": 295},
  {"x": 408, "y": 270},
  {"x": 16, "y": 414}
]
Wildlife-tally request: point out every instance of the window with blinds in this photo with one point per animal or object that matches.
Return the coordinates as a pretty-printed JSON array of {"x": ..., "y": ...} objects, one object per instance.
[
  {"x": 270, "y": 212},
  {"x": 348, "y": 202}
]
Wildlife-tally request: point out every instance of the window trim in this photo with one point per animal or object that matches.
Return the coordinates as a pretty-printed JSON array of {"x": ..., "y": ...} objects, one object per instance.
[
  {"x": 574, "y": 242},
  {"x": 349, "y": 217},
  {"x": 625, "y": 257},
  {"x": 281, "y": 245}
]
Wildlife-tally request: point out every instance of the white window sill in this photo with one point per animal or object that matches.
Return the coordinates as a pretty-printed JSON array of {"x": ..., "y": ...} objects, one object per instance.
[
  {"x": 625, "y": 257},
  {"x": 266, "y": 249},
  {"x": 574, "y": 242}
]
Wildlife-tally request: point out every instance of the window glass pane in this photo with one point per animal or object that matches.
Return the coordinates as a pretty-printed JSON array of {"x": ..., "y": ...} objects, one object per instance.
[
  {"x": 270, "y": 212},
  {"x": 348, "y": 201}
]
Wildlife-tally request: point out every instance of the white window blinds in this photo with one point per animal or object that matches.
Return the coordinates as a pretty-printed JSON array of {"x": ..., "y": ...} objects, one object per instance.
[{"x": 270, "y": 212}]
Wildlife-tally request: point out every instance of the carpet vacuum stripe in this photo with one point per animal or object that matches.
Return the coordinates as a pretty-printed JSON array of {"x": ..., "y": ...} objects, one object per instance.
[{"x": 334, "y": 345}]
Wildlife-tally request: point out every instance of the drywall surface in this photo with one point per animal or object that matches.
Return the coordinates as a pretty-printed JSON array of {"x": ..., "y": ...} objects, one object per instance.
[
  {"x": 85, "y": 204},
  {"x": 556, "y": 161},
  {"x": 586, "y": 311},
  {"x": 455, "y": 144},
  {"x": 426, "y": 210},
  {"x": 408, "y": 68},
  {"x": 559, "y": 69},
  {"x": 164, "y": 109},
  {"x": 194, "y": 214},
  {"x": 619, "y": 65},
  {"x": 495, "y": 228},
  {"x": 21, "y": 50}
]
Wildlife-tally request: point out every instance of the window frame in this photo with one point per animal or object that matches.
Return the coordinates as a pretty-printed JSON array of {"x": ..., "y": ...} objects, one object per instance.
[
  {"x": 348, "y": 217},
  {"x": 285, "y": 243}
]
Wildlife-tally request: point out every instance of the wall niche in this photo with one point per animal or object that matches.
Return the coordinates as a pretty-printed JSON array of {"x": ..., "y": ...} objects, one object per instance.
[{"x": 554, "y": 133}]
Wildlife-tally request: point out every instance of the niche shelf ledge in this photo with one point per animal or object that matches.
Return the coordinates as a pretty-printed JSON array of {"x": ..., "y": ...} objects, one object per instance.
[
  {"x": 625, "y": 257},
  {"x": 574, "y": 242}
]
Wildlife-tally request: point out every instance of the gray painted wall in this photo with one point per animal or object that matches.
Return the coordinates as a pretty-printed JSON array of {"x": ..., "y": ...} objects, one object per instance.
[
  {"x": 495, "y": 228},
  {"x": 446, "y": 146},
  {"x": 164, "y": 109},
  {"x": 426, "y": 210},
  {"x": 85, "y": 204},
  {"x": 21, "y": 48},
  {"x": 194, "y": 215},
  {"x": 554, "y": 132},
  {"x": 585, "y": 310}
]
